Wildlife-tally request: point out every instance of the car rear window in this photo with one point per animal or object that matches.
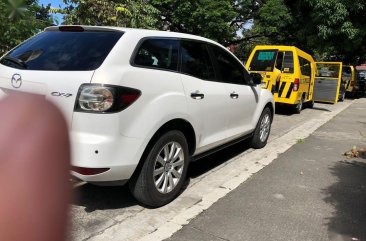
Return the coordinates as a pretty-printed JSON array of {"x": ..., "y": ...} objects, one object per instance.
[
  {"x": 63, "y": 51},
  {"x": 263, "y": 60}
]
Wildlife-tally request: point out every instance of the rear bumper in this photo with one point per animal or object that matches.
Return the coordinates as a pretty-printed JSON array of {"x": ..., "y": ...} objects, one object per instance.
[{"x": 119, "y": 154}]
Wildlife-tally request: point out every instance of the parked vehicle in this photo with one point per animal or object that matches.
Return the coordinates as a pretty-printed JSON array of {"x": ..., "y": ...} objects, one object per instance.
[
  {"x": 361, "y": 80},
  {"x": 329, "y": 86},
  {"x": 288, "y": 73},
  {"x": 141, "y": 104},
  {"x": 349, "y": 77}
]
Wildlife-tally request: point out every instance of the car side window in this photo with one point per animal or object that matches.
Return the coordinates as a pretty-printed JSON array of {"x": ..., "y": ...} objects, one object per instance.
[
  {"x": 288, "y": 62},
  {"x": 232, "y": 71},
  {"x": 305, "y": 67},
  {"x": 196, "y": 60},
  {"x": 158, "y": 53}
]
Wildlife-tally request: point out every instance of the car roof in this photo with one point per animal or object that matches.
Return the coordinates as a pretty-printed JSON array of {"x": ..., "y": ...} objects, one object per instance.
[{"x": 146, "y": 32}]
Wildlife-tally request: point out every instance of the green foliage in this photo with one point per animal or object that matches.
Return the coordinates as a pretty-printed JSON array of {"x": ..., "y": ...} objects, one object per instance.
[
  {"x": 328, "y": 29},
  {"x": 123, "y": 13},
  {"x": 333, "y": 30},
  {"x": 20, "y": 20},
  {"x": 217, "y": 20}
]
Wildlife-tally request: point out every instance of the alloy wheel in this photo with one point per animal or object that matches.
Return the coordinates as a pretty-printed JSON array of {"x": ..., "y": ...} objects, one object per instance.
[{"x": 168, "y": 167}]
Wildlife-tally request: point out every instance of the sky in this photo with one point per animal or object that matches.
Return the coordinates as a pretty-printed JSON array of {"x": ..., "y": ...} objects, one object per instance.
[{"x": 54, "y": 4}]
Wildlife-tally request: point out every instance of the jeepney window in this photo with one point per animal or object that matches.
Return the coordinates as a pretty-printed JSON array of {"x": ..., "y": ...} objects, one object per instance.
[
  {"x": 279, "y": 60},
  {"x": 288, "y": 62},
  {"x": 305, "y": 66},
  {"x": 263, "y": 60}
]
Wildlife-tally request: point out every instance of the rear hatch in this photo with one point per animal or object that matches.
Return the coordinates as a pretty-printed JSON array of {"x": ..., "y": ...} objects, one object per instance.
[
  {"x": 277, "y": 69},
  {"x": 55, "y": 63},
  {"x": 263, "y": 62}
]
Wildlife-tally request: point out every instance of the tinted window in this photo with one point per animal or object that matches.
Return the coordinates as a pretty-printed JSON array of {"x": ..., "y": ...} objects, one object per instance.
[
  {"x": 279, "y": 60},
  {"x": 158, "y": 53},
  {"x": 305, "y": 67},
  {"x": 232, "y": 71},
  {"x": 196, "y": 60},
  {"x": 288, "y": 62},
  {"x": 67, "y": 51},
  {"x": 263, "y": 60}
]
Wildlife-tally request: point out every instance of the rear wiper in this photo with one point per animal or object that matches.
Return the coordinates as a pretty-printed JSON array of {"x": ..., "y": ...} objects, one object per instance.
[{"x": 16, "y": 61}]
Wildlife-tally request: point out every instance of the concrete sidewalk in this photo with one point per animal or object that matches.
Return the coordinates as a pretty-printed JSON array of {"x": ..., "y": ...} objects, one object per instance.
[{"x": 311, "y": 192}]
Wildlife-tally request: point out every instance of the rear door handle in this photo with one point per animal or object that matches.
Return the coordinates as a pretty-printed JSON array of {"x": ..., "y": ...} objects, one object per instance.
[
  {"x": 197, "y": 96},
  {"x": 234, "y": 95}
]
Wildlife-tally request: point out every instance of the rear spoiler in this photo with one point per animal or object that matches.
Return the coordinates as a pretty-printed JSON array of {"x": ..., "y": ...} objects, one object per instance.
[{"x": 80, "y": 28}]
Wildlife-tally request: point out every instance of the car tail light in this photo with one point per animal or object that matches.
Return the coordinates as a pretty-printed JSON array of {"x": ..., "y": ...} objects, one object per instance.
[
  {"x": 89, "y": 171},
  {"x": 296, "y": 84},
  {"x": 96, "y": 98}
]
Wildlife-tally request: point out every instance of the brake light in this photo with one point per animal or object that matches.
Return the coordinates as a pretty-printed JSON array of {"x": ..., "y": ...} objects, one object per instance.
[
  {"x": 96, "y": 98},
  {"x": 71, "y": 29},
  {"x": 296, "y": 84}
]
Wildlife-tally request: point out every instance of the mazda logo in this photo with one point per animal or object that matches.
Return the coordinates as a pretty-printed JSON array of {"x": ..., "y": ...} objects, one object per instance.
[{"x": 16, "y": 81}]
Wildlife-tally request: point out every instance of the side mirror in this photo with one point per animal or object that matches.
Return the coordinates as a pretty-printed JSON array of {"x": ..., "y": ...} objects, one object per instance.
[{"x": 255, "y": 79}]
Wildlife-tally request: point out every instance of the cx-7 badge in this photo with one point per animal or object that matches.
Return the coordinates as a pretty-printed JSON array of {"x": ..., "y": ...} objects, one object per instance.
[{"x": 59, "y": 94}]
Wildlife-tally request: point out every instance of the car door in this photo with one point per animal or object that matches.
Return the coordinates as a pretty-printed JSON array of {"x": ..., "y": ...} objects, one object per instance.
[
  {"x": 207, "y": 98},
  {"x": 327, "y": 81},
  {"x": 242, "y": 98}
]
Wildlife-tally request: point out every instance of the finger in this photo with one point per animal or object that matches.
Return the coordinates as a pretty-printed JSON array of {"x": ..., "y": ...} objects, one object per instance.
[{"x": 34, "y": 170}]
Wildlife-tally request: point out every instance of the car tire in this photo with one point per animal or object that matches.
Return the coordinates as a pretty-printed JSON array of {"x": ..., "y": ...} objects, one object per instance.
[
  {"x": 342, "y": 97},
  {"x": 311, "y": 104},
  {"x": 163, "y": 172},
  {"x": 299, "y": 106},
  {"x": 262, "y": 130}
]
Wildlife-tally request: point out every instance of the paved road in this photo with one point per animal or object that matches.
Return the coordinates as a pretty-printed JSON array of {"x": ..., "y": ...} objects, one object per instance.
[
  {"x": 110, "y": 213},
  {"x": 311, "y": 192}
]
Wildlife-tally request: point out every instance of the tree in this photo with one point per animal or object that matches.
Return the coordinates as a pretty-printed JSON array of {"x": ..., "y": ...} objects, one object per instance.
[
  {"x": 328, "y": 29},
  {"x": 20, "y": 20},
  {"x": 123, "y": 13},
  {"x": 217, "y": 20},
  {"x": 270, "y": 23}
]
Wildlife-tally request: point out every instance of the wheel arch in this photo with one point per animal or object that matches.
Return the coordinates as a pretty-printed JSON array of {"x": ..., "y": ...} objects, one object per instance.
[
  {"x": 271, "y": 108},
  {"x": 176, "y": 124}
]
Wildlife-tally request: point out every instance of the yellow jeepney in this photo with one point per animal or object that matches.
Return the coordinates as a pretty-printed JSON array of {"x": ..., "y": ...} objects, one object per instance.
[
  {"x": 329, "y": 87},
  {"x": 288, "y": 73}
]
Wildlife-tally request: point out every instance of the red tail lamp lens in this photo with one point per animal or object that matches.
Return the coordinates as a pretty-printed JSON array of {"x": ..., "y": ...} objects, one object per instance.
[
  {"x": 89, "y": 171},
  {"x": 296, "y": 84}
]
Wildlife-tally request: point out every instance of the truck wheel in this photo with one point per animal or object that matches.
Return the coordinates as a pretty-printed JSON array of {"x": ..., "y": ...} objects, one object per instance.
[
  {"x": 311, "y": 104},
  {"x": 299, "y": 106},
  {"x": 262, "y": 130},
  {"x": 163, "y": 172}
]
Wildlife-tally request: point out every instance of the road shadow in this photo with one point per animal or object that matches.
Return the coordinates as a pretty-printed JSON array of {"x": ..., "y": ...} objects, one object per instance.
[
  {"x": 212, "y": 161},
  {"x": 103, "y": 198},
  {"x": 94, "y": 198},
  {"x": 321, "y": 109},
  {"x": 285, "y": 110},
  {"x": 348, "y": 198}
]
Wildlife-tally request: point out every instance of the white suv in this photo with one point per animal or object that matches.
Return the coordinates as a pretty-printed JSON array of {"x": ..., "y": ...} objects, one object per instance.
[{"x": 140, "y": 104}]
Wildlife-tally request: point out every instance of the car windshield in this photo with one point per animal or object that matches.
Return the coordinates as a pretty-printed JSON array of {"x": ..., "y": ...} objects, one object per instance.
[
  {"x": 63, "y": 51},
  {"x": 263, "y": 60}
]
